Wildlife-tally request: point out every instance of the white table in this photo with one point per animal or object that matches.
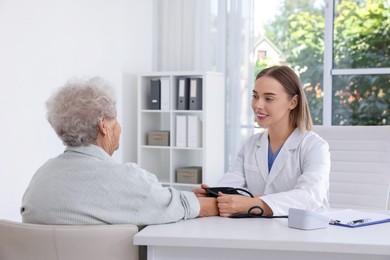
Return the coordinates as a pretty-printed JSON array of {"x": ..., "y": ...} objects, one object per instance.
[{"x": 271, "y": 239}]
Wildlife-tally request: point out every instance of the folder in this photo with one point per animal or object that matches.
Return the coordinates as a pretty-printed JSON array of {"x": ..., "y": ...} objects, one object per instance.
[
  {"x": 155, "y": 94},
  {"x": 195, "y": 94},
  {"x": 181, "y": 131},
  {"x": 355, "y": 218},
  {"x": 165, "y": 94},
  {"x": 194, "y": 131},
  {"x": 182, "y": 94}
]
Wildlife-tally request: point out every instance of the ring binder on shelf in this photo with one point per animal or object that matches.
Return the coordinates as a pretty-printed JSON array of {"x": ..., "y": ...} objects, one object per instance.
[
  {"x": 194, "y": 130},
  {"x": 165, "y": 94},
  {"x": 181, "y": 131},
  {"x": 155, "y": 94},
  {"x": 195, "y": 94},
  {"x": 182, "y": 94}
]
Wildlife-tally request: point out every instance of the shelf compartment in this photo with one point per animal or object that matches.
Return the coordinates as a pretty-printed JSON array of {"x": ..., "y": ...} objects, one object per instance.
[
  {"x": 156, "y": 160},
  {"x": 186, "y": 158},
  {"x": 152, "y": 122}
]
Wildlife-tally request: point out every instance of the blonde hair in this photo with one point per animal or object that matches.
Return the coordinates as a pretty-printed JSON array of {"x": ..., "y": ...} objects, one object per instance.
[{"x": 300, "y": 116}]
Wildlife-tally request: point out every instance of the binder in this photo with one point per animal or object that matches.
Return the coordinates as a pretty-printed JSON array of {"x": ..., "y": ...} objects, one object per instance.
[
  {"x": 182, "y": 94},
  {"x": 354, "y": 218},
  {"x": 165, "y": 94},
  {"x": 194, "y": 131},
  {"x": 181, "y": 131},
  {"x": 155, "y": 94},
  {"x": 196, "y": 94}
]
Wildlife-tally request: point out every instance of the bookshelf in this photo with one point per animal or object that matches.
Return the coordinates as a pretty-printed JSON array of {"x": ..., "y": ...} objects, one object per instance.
[{"x": 164, "y": 160}]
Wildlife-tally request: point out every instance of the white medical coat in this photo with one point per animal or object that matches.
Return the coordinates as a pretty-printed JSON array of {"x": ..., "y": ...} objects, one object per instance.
[{"x": 299, "y": 177}]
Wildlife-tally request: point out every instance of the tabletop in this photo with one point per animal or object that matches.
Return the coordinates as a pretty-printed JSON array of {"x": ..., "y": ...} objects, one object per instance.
[{"x": 269, "y": 234}]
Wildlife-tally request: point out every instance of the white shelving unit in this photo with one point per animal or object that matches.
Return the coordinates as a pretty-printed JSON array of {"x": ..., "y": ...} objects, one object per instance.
[{"x": 164, "y": 160}]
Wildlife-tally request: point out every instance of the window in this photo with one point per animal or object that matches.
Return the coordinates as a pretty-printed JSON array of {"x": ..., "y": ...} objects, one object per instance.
[
  {"x": 358, "y": 61},
  {"x": 261, "y": 54}
]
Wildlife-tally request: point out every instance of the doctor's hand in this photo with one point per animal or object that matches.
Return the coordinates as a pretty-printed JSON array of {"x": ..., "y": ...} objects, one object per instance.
[
  {"x": 200, "y": 191},
  {"x": 237, "y": 204}
]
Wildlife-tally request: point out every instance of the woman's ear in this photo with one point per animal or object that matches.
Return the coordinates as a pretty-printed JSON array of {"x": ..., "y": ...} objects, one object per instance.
[
  {"x": 103, "y": 126},
  {"x": 294, "y": 102}
]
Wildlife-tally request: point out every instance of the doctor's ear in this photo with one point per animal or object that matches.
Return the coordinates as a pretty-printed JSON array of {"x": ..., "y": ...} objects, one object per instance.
[{"x": 294, "y": 102}]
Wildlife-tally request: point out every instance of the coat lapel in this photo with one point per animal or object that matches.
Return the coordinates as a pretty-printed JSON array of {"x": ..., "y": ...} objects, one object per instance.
[
  {"x": 291, "y": 143},
  {"x": 262, "y": 155}
]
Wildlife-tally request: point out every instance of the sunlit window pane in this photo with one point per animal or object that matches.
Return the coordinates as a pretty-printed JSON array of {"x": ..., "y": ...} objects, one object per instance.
[
  {"x": 361, "y": 100},
  {"x": 361, "y": 34}
]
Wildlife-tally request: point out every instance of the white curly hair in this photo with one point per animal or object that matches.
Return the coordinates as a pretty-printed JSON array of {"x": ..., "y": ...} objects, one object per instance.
[{"x": 75, "y": 109}]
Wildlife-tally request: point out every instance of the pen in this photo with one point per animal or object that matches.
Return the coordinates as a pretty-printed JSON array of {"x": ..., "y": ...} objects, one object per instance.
[{"x": 358, "y": 221}]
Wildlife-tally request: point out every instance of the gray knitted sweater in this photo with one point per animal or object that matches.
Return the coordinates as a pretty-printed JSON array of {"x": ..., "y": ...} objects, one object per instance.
[{"x": 84, "y": 185}]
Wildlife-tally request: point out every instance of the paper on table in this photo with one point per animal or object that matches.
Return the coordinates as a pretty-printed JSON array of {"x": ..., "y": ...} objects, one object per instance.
[{"x": 348, "y": 216}]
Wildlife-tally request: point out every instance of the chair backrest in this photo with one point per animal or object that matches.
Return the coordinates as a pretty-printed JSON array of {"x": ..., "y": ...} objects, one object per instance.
[
  {"x": 360, "y": 166},
  {"x": 66, "y": 242}
]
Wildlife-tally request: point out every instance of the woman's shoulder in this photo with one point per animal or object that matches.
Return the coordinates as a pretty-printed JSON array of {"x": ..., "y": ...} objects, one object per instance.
[
  {"x": 312, "y": 135},
  {"x": 134, "y": 172},
  {"x": 311, "y": 138}
]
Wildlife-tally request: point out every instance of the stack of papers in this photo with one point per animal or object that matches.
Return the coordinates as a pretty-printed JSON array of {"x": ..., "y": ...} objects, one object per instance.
[{"x": 355, "y": 218}]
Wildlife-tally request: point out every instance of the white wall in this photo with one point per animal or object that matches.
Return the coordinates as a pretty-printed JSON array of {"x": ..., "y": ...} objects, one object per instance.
[{"x": 44, "y": 43}]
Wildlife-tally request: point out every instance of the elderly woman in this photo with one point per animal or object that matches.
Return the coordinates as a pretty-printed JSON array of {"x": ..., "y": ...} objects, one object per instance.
[{"x": 84, "y": 185}]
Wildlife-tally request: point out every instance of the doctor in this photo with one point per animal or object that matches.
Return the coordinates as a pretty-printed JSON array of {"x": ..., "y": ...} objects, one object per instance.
[{"x": 287, "y": 165}]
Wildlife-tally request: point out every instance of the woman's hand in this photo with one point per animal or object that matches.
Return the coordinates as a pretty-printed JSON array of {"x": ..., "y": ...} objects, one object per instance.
[
  {"x": 200, "y": 191},
  {"x": 208, "y": 207},
  {"x": 237, "y": 204}
]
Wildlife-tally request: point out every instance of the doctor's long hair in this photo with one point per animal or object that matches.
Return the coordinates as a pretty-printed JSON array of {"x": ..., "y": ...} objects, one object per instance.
[{"x": 300, "y": 116}]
